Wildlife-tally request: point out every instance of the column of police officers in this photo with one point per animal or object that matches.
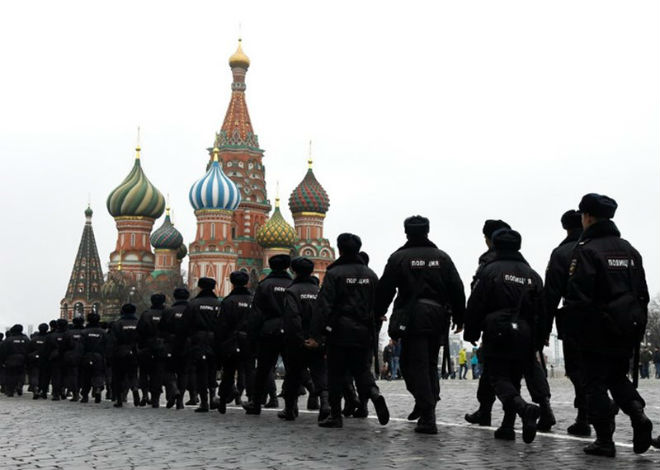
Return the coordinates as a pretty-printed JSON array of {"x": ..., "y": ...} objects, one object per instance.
[{"x": 328, "y": 336}]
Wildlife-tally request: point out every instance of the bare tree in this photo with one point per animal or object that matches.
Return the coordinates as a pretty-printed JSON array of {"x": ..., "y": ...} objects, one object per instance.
[{"x": 652, "y": 336}]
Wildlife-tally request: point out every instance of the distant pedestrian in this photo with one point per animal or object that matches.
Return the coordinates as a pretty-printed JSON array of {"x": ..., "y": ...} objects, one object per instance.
[
  {"x": 462, "y": 364},
  {"x": 656, "y": 362},
  {"x": 396, "y": 356},
  {"x": 474, "y": 363}
]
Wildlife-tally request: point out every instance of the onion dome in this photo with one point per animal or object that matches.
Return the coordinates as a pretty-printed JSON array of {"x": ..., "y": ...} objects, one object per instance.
[
  {"x": 181, "y": 252},
  {"x": 166, "y": 237},
  {"x": 276, "y": 233},
  {"x": 89, "y": 212},
  {"x": 215, "y": 190},
  {"x": 136, "y": 196},
  {"x": 238, "y": 58},
  {"x": 309, "y": 195}
]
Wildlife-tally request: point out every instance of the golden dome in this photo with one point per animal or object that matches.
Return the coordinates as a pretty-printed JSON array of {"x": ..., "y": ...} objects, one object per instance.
[{"x": 239, "y": 59}]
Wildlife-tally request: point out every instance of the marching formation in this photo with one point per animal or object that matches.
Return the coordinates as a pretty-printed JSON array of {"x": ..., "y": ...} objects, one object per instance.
[{"x": 327, "y": 336}]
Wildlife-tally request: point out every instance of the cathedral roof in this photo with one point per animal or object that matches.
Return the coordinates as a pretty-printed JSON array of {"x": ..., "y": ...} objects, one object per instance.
[
  {"x": 215, "y": 190},
  {"x": 166, "y": 236},
  {"x": 238, "y": 58},
  {"x": 309, "y": 195},
  {"x": 136, "y": 196},
  {"x": 86, "y": 277},
  {"x": 276, "y": 233},
  {"x": 181, "y": 252}
]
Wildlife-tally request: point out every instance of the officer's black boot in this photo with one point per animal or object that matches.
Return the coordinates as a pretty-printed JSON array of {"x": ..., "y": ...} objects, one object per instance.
[
  {"x": 324, "y": 408},
  {"x": 36, "y": 395},
  {"x": 313, "y": 401},
  {"x": 222, "y": 404},
  {"x": 362, "y": 411},
  {"x": 656, "y": 442},
  {"x": 203, "y": 402},
  {"x": 97, "y": 395},
  {"x": 273, "y": 402},
  {"x": 288, "y": 413},
  {"x": 155, "y": 400},
  {"x": 505, "y": 432},
  {"x": 252, "y": 407},
  {"x": 547, "y": 419},
  {"x": 480, "y": 417},
  {"x": 84, "y": 398},
  {"x": 381, "y": 407},
  {"x": 416, "y": 413},
  {"x": 581, "y": 425},
  {"x": 603, "y": 446},
  {"x": 76, "y": 396},
  {"x": 194, "y": 399},
  {"x": 351, "y": 401},
  {"x": 334, "y": 420},
  {"x": 642, "y": 428},
  {"x": 426, "y": 423},
  {"x": 136, "y": 397},
  {"x": 529, "y": 414}
]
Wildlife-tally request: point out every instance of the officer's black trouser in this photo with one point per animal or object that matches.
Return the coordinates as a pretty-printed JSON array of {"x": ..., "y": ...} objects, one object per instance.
[
  {"x": 246, "y": 376},
  {"x": 56, "y": 371},
  {"x": 356, "y": 361},
  {"x": 204, "y": 365},
  {"x": 124, "y": 375},
  {"x": 229, "y": 366},
  {"x": 264, "y": 379},
  {"x": 44, "y": 376},
  {"x": 535, "y": 379},
  {"x": 14, "y": 378},
  {"x": 93, "y": 372},
  {"x": 573, "y": 365},
  {"x": 419, "y": 367},
  {"x": 33, "y": 375},
  {"x": 297, "y": 360},
  {"x": 152, "y": 370},
  {"x": 607, "y": 373},
  {"x": 505, "y": 377},
  {"x": 71, "y": 373},
  {"x": 176, "y": 375}
]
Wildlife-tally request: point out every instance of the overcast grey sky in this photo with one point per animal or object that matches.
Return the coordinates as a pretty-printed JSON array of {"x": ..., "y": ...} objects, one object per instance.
[{"x": 459, "y": 111}]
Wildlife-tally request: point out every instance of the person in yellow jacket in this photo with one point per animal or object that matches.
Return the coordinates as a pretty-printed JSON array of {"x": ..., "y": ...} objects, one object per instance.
[{"x": 462, "y": 364}]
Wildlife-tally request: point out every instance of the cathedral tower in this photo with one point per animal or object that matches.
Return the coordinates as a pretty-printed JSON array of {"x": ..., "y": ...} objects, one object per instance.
[
  {"x": 166, "y": 241},
  {"x": 276, "y": 236},
  {"x": 214, "y": 197},
  {"x": 135, "y": 204},
  {"x": 83, "y": 295},
  {"x": 241, "y": 159},
  {"x": 308, "y": 204}
]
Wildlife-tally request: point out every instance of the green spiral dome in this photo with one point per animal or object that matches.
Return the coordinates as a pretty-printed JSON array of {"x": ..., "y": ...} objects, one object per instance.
[
  {"x": 276, "y": 233},
  {"x": 136, "y": 196}
]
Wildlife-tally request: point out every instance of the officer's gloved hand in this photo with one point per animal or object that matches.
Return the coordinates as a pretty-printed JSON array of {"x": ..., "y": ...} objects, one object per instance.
[
  {"x": 311, "y": 343},
  {"x": 457, "y": 328}
]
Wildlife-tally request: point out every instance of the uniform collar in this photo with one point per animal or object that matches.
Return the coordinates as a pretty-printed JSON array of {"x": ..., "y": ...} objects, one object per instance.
[{"x": 604, "y": 228}]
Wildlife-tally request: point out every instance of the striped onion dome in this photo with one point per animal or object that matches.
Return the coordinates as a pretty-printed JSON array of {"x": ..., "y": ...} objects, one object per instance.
[
  {"x": 276, "y": 233},
  {"x": 166, "y": 237},
  {"x": 215, "y": 190},
  {"x": 181, "y": 252},
  {"x": 309, "y": 195},
  {"x": 136, "y": 196}
]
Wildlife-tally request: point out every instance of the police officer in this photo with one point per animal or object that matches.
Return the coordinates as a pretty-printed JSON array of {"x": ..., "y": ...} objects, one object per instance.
[
  {"x": 13, "y": 354},
  {"x": 508, "y": 341},
  {"x": 37, "y": 359},
  {"x": 606, "y": 302},
  {"x": 152, "y": 350},
  {"x": 300, "y": 298},
  {"x": 535, "y": 374},
  {"x": 93, "y": 360},
  {"x": 430, "y": 294},
  {"x": 231, "y": 325},
  {"x": 73, "y": 356},
  {"x": 200, "y": 317},
  {"x": 123, "y": 339},
  {"x": 266, "y": 325},
  {"x": 177, "y": 347},
  {"x": 556, "y": 278},
  {"x": 344, "y": 313},
  {"x": 56, "y": 347}
]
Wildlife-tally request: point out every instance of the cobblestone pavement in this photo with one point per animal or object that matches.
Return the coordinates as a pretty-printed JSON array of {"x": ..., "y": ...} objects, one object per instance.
[{"x": 46, "y": 434}]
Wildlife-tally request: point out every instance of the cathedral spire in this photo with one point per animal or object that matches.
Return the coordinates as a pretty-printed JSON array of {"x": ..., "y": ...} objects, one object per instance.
[{"x": 83, "y": 293}]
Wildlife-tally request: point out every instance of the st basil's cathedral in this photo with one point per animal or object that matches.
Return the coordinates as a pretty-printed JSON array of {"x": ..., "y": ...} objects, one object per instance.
[{"x": 234, "y": 230}]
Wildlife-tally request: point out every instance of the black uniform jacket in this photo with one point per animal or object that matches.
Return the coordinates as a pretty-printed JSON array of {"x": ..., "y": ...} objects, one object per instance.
[
  {"x": 13, "y": 350},
  {"x": 299, "y": 301},
  {"x": 231, "y": 327},
  {"x": 607, "y": 296},
  {"x": 123, "y": 338},
  {"x": 56, "y": 345},
  {"x": 485, "y": 258},
  {"x": 37, "y": 348},
  {"x": 556, "y": 278},
  {"x": 200, "y": 317},
  {"x": 173, "y": 324},
  {"x": 499, "y": 287},
  {"x": 422, "y": 272},
  {"x": 151, "y": 335},
  {"x": 268, "y": 305},
  {"x": 344, "y": 309},
  {"x": 94, "y": 340}
]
